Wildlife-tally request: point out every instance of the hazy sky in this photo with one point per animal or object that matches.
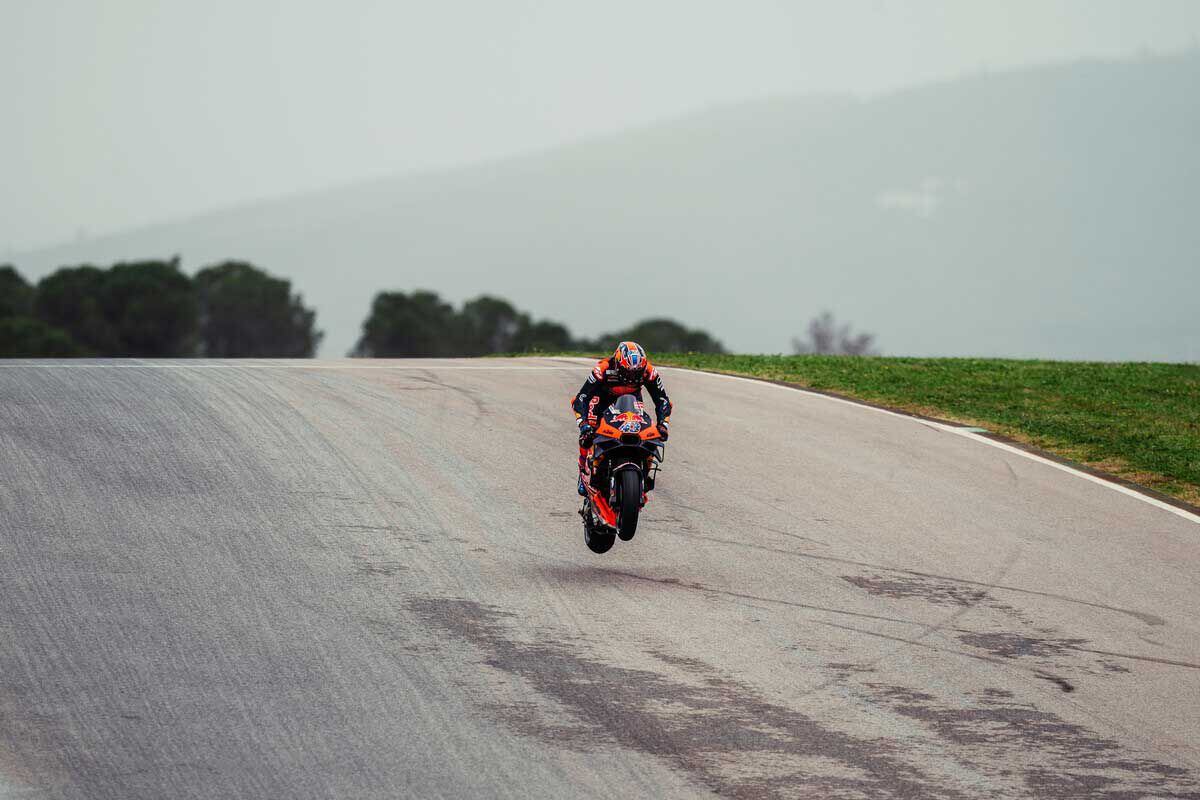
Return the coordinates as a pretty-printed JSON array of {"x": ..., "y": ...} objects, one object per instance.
[{"x": 125, "y": 112}]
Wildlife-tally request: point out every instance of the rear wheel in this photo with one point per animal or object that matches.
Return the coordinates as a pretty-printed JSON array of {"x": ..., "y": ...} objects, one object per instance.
[
  {"x": 630, "y": 504},
  {"x": 597, "y": 541}
]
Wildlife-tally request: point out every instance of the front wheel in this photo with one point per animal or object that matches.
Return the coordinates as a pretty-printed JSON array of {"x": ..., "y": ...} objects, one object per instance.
[{"x": 630, "y": 505}]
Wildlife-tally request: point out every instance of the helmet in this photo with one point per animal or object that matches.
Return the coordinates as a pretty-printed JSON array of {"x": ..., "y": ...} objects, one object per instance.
[{"x": 630, "y": 360}]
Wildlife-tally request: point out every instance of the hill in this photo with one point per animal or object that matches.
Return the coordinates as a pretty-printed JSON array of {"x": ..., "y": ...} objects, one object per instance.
[{"x": 1046, "y": 212}]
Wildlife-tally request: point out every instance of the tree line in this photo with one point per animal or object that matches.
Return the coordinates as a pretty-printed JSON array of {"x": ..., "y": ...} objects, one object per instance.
[
  {"x": 422, "y": 324},
  {"x": 153, "y": 309}
]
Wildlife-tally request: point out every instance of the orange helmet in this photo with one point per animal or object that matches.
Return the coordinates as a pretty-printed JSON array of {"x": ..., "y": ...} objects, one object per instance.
[{"x": 630, "y": 360}]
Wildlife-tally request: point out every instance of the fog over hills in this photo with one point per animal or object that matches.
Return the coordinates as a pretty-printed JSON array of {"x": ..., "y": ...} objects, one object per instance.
[{"x": 1044, "y": 212}]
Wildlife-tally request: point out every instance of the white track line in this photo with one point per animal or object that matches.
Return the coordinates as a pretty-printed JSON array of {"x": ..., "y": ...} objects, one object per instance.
[{"x": 957, "y": 431}]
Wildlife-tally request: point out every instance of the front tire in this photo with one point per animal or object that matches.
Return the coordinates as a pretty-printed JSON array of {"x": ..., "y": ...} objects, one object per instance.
[{"x": 630, "y": 505}]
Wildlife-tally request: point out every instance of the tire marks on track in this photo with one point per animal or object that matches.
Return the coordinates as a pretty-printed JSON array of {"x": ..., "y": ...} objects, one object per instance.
[{"x": 730, "y": 738}]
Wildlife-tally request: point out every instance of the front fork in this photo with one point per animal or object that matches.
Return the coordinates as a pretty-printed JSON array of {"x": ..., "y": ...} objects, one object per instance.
[
  {"x": 646, "y": 471},
  {"x": 613, "y": 476}
]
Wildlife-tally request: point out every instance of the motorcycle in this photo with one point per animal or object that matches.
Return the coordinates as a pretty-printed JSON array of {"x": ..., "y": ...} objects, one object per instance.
[{"x": 622, "y": 466}]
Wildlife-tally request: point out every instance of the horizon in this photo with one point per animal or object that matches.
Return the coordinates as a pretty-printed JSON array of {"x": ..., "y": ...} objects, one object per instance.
[{"x": 88, "y": 161}]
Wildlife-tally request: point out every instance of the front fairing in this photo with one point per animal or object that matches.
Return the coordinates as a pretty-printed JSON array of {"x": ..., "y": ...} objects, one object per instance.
[{"x": 627, "y": 422}]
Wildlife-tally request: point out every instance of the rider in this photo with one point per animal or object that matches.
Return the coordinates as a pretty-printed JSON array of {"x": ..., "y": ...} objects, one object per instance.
[{"x": 625, "y": 372}]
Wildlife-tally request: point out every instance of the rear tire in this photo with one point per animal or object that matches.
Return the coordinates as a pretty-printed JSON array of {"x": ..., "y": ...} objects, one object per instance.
[
  {"x": 630, "y": 504},
  {"x": 597, "y": 541}
]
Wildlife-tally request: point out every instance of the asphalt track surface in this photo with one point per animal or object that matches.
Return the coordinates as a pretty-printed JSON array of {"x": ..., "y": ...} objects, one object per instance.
[{"x": 349, "y": 579}]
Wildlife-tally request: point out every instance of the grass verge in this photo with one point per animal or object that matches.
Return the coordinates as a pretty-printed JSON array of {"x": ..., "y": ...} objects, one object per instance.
[{"x": 1138, "y": 421}]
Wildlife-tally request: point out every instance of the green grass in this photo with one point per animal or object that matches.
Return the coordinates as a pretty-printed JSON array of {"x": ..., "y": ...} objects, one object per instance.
[{"x": 1139, "y": 421}]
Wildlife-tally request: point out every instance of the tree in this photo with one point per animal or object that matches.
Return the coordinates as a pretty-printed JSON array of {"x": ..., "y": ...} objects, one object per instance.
[
  {"x": 16, "y": 295},
  {"x": 542, "y": 336},
  {"x": 22, "y": 336},
  {"x": 661, "y": 336},
  {"x": 152, "y": 307},
  {"x": 144, "y": 308},
  {"x": 244, "y": 312},
  {"x": 70, "y": 299},
  {"x": 420, "y": 324},
  {"x": 490, "y": 325},
  {"x": 826, "y": 337},
  {"x": 25, "y": 337}
]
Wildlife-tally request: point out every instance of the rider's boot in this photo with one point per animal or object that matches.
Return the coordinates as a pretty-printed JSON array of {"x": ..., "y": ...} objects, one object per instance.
[{"x": 582, "y": 471}]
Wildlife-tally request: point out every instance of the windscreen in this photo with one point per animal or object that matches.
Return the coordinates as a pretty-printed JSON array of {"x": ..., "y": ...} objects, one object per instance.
[{"x": 626, "y": 402}]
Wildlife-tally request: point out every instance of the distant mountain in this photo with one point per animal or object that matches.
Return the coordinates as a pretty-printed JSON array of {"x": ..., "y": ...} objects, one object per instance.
[{"x": 1044, "y": 212}]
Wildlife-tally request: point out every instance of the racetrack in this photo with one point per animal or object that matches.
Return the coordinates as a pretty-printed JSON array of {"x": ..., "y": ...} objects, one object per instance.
[{"x": 367, "y": 579}]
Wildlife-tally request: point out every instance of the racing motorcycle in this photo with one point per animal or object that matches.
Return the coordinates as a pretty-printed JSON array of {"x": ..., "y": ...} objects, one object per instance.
[{"x": 622, "y": 465}]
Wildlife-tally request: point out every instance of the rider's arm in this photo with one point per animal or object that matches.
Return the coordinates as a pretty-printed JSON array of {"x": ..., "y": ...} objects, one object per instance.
[
  {"x": 583, "y": 399},
  {"x": 658, "y": 393}
]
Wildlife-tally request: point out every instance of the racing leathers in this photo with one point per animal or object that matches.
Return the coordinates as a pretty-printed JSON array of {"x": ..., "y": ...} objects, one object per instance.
[{"x": 602, "y": 388}]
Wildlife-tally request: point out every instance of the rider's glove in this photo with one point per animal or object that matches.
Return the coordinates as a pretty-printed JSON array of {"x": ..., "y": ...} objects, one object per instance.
[
  {"x": 662, "y": 429},
  {"x": 587, "y": 435}
]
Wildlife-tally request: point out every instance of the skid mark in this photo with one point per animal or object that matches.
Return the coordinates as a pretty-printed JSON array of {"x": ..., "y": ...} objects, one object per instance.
[
  {"x": 1015, "y": 645},
  {"x": 740, "y": 744},
  {"x": 384, "y": 568},
  {"x": 1054, "y": 758},
  {"x": 906, "y": 587},
  {"x": 716, "y": 729},
  {"x": 1106, "y": 666},
  {"x": 1142, "y": 616},
  {"x": 1037, "y": 643}
]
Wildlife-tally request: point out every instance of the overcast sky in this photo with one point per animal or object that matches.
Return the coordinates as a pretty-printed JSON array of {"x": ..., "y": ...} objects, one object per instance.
[{"x": 126, "y": 112}]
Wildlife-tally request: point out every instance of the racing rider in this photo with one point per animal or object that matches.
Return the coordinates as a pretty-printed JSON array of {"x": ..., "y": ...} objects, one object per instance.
[{"x": 625, "y": 372}]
